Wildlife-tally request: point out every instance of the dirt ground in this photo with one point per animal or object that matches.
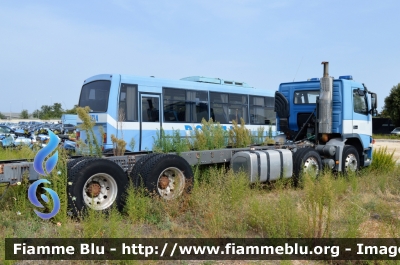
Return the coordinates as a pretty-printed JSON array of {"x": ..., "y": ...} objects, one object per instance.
[{"x": 392, "y": 145}]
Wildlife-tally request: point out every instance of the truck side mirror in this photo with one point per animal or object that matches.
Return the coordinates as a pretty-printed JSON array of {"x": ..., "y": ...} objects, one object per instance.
[
  {"x": 374, "y": 101},
  {"x": 282, "y": 107}
]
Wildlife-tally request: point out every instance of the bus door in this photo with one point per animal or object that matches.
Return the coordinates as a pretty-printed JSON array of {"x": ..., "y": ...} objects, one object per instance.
[{"x": 150, "y": 120}]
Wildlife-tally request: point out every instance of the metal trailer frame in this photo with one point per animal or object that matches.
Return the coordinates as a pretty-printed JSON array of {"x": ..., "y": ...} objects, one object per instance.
[{"x": 13, "y": 171}]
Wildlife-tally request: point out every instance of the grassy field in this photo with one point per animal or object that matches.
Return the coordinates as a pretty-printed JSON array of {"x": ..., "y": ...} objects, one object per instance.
[
  {"x": 224, "y": 205},
  {"x": 386, "y": 136}
]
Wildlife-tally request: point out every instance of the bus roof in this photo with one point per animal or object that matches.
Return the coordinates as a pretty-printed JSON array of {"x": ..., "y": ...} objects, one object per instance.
[{"x": 193, "y": 82}]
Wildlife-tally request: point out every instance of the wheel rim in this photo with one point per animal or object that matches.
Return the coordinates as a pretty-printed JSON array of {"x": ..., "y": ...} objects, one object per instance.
[
  {"x": 350, "y": 163},
  {"x": 171, "y": 183},
  {"x": 311, "y": 166},
  {"x": 100, "y": 191}
]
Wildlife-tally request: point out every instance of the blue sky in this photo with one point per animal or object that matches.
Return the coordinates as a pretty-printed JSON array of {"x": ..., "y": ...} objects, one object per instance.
[{"x": 48, "y": 48}]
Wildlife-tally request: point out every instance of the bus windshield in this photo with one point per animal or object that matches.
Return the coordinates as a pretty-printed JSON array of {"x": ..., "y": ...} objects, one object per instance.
[{"x": 95, "y": 95}]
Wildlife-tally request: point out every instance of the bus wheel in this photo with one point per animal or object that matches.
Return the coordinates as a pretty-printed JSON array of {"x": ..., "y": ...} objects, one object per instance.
[
  {"x": 350, "y": 159},
  {"x": 306, "y": 161},
  {"x": 97, "y": 184},
  {"x": 135, "y": 177},
  {"x": 167, "y": 175}
]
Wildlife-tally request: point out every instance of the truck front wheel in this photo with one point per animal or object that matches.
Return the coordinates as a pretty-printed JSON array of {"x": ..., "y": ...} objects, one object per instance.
[{"x": 350, "y": 159}]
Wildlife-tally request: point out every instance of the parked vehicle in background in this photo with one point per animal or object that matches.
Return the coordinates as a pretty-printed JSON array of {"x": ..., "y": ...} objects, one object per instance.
[
  {"x": 12, "y": 138},
  {"x": 68, "y": 128},
  {"x": 396, "y": 131},
  {"x": 4, "y": 130},
  {"x": 10, "y": 125},
  {"x": 69, "y": 119}
]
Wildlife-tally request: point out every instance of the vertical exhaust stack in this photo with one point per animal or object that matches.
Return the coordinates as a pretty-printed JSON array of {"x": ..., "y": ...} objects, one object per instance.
[{"x": 325, "y": 102}]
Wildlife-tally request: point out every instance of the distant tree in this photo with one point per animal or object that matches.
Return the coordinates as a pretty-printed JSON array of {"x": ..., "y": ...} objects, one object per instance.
[
  {"x": 24, "y": 114},
  {"x": 392, "y": 105},
  {"x": 71, "y": 111},
  {"x": 2, "y": 116},
  {"x": 383, "y": 114},
  {"x": 36, "y": 114},
  {"x": 50, "y": 112},
  {"x": 45, "y": 112},
  {"x": 57, "y": 111}
]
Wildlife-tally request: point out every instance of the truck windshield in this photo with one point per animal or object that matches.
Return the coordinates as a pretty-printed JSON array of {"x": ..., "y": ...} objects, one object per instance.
[{"x": 95, "y": 95}]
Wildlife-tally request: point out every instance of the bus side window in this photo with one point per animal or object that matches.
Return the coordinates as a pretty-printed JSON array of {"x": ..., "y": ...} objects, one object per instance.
[
  {"x": 128, "y": 103},
  {"x": 262, "y": 110},
  {"x": 184, "y": 105},
  {"x": 149, "y": 112}
]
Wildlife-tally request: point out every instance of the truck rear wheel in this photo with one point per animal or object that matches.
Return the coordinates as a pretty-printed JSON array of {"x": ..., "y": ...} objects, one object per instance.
[
  {"x": 137, "y": 179},
  {"x": 74, "y": 162},
  {"x": 97, "y": 184},
  {"x": 350, "y": 159},
  {"x": 306, "y": 161},
  {"x": 167, "y": 175}
]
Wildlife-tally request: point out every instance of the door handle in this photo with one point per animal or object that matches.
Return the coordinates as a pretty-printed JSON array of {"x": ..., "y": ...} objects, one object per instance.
[{"x": 355, "y": 127}]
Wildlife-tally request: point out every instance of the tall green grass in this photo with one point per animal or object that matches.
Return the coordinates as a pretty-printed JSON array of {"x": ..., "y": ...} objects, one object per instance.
[
  {"x": 165, "y": 143},
  {"x": 23, "y": 152},
  {"x": 211, "y": 136},
  {"x": 386, "y": 136},
  {"x": 382, "y": 160}
]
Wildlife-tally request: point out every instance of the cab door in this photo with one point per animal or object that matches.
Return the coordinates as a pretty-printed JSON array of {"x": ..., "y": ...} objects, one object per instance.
[
  {"x": 150, "y": 120},
  {"x": 362, "y": 121}
]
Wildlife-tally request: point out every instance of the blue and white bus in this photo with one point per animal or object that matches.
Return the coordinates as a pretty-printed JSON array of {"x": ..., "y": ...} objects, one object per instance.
[{"x": 129, "y": 106}]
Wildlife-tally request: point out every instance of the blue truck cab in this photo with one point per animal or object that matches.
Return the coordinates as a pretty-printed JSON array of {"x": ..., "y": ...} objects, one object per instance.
[{"x": 344, "y": 118}]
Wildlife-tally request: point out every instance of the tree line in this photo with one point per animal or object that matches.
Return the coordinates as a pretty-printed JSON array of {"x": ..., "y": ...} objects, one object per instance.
[
  {"x": 391, "y": 109},
  {"x": 46, "y": 112}
]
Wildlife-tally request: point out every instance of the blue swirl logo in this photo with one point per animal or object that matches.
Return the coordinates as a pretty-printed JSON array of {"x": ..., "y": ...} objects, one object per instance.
[
  {"x": 49, "y": 166},
  {"x": 42, "y": 154},
  {"x": 34, "y": 200}
]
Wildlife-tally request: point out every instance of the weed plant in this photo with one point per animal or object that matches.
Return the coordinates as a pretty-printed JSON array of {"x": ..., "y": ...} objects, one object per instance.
[
  {"x": 165, "y": 143},
  {"x": 211, "y": 136},
  {"x": 259, "y": 139},
  {"x": 239, "y": 135},
  {"x": 119, "y": 145},
  {"x": 382, "y": 161},
  {"x": 23, "y": 152},
  {"x": 87, "y": 126}
]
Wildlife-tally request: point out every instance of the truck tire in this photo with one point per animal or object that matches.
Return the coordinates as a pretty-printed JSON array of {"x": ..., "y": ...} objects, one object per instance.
[
  {"x": 136, "y": 179},
  {"x": 97, "y": 184},
  {"x": 167, "y": 175},
  {"x": 306, "y": 160},
  {"x": 74, "y": 162},
  {"x": 350, "y": 159}
]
